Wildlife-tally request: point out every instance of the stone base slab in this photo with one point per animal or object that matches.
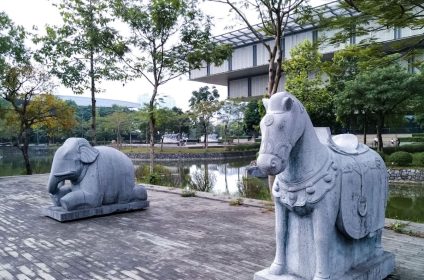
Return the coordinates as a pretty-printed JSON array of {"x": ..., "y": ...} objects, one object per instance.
[
  {"x": 61, "y": 215},
  {"x": 375, "y": 269}
]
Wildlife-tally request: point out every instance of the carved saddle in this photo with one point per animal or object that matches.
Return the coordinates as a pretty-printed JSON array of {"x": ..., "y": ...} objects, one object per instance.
[{"x": 358, "y": 170}]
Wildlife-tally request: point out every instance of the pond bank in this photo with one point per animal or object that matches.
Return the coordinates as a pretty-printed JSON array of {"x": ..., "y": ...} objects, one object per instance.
[
  {"x": 406, "y": 175},
  {"x": 192, "y": 156}
]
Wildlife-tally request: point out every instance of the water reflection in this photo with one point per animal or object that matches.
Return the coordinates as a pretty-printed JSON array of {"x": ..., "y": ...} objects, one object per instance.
[
  {"x": 406, "y": 202},
  {"x": 225, "y": 175},
  {"x": 14, "y": 165}
]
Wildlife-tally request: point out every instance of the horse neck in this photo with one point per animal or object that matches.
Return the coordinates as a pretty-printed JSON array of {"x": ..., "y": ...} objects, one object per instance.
[{"x": 306, "y": 157}]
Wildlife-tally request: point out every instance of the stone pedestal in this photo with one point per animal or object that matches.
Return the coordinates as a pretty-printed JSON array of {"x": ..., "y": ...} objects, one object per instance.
[
  {"x": 377, "y": 268},
  {"x": 61, "y": 215}
]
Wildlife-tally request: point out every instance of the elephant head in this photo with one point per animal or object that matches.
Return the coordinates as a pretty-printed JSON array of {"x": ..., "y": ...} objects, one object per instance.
[{"x": 70, "y": 162}]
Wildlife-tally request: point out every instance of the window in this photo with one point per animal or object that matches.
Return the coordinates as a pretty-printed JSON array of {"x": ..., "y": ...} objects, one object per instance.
[
  {"x": 255, "y": 55},
  {"x": 315, "y": 36},
  {"x": 353, "y": 39},
  {"x": 398, "y": 33},
  {"x": 411, "y": 64}
]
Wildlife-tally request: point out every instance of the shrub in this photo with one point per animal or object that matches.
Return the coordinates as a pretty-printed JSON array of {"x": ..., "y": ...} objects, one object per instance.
[
  {"x": 418, "y": 159},
  {"x": 188, "y": 193},
  {"x": 400, "y": 158},
  {"x": 236, "y": 202}
]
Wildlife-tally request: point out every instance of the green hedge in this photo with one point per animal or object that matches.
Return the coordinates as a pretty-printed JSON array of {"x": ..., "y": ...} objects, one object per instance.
[
  {"x": 419, "y": 159},
  {"x": 411, "y": 148},
  {"x": 417, "y": 134},
  {"x": 400, "y": 158},
  {"x": 243, "y": 147},
  {"x": 412, "y": 139}
]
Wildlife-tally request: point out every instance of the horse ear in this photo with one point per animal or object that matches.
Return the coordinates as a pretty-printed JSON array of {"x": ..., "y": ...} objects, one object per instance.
[
  {"x": 265, "y": 101},
  {"x": 287, "y": 103},
  {"x": 87, "y": 152}
]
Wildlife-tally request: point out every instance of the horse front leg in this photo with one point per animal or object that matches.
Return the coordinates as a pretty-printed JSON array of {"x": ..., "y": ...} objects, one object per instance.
[
  {"x": 281, "y": 213},
  {"x": 324, "y": 223}
]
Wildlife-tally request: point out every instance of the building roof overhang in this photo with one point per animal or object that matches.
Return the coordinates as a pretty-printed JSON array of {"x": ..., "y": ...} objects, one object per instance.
[{"x": 244, "y": 36}]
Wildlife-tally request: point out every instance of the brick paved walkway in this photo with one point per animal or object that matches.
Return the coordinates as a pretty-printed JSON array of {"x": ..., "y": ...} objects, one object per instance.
[{"x": 176, "y": 238}]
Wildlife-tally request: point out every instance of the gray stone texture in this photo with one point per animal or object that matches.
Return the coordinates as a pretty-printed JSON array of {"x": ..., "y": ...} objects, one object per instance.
[
  {"x": 379, "y": 267},
  {"x": 176, "y": 238},
  {"x": 330, "y": 195},
  {"x": 408, "y": 174},
  {"x": 98, "y": 176},
  {"x": 62, "y": 215}
]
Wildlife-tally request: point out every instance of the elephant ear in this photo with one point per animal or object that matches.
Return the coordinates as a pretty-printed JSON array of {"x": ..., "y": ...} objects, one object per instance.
[{"x": 87, "y": 152}]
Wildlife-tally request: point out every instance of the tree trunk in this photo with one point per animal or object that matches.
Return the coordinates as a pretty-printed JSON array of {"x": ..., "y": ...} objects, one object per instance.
[
  {"x": 380, "y": 125},
  {"x": 205, "y": 130},
  {"x": 24, "y": 139},
  {"x": 25, "y": 154},
  {"x": 93, "y": 99},
  {"x": 274, "y": 75},
  {"x": 152, "y": 128},
  {"x": 365, "y": 128}
]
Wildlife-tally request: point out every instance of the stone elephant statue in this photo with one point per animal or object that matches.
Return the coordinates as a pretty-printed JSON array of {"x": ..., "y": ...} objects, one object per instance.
[{"x": 98, "y": 175}]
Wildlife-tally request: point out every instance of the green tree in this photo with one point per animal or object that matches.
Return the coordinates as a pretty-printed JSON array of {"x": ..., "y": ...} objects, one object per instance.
[
  {"x": 12, "y": 45},
  {"x": 169, "y": 38},
  {"x": 119, "y": 122},
  {"x": 84, "y": 50},
  {"x": 232, "y": 112},
  {"x": 203, "y": 106},
  {"x": 273, "y": 17},
  {"x": 358, "y": 18},
  {"x": 26, "y": 90},
  {"x": 172, "y": 121},
  {"x": 380, "y": 92},
  {"x": 345, "y": 66},
  {"x": 252, "y": 118},
  {"x": 305, "y": 79}
]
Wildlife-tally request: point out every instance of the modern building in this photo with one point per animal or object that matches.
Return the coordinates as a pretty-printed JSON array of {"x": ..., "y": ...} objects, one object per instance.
[
  {"x": 245, "y": 73},
  {"x": 100, "y": 102},
  {"x": 164, "y": 101}
]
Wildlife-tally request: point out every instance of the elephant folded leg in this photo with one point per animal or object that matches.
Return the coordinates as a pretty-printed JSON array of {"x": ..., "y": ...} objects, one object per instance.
[
  {"x": 79, "y": 199},
  {"x": 62, "y": 191},
  {"x": 139, "y": 193}
]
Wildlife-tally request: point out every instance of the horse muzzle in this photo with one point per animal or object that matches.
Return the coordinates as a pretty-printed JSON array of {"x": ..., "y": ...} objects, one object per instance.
[{"x": 270, "y": 164}]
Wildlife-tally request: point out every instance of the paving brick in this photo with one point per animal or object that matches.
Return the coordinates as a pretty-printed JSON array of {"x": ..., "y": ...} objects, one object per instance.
[{"x": 176, "y": 238}]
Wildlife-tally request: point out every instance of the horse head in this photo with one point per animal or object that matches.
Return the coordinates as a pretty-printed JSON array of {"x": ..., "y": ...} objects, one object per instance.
[{"x": 281, "y": 128}]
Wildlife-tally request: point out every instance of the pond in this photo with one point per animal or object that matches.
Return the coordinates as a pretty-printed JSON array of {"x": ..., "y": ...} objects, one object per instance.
[{"x": 406, "y": 202}]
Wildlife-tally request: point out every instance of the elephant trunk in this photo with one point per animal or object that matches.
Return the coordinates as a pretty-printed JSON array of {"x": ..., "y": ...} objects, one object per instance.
[
  {"x": 53, "y": 183},
  {"x": 56, "y": 178}
]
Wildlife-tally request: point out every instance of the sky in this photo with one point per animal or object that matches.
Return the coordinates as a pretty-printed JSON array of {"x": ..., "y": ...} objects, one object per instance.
[{"x": 29, "y": 13}]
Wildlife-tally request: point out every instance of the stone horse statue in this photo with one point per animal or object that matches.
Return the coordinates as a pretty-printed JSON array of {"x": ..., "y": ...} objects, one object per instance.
[{"x": 330, "y": 198}]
